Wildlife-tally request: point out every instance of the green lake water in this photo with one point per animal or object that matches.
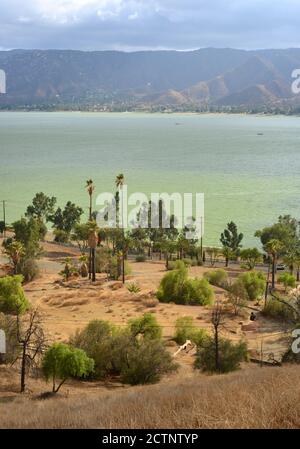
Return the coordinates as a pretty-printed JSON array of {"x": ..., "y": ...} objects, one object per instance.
[{"x": 247, "y": 166}]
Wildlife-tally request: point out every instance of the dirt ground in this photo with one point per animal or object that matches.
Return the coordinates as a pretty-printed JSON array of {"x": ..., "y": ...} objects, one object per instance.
[{"x": 66, "y": 307}]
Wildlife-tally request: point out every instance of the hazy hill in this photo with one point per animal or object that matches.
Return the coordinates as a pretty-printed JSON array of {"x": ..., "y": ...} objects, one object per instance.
[{"x": 223, "y": 77}]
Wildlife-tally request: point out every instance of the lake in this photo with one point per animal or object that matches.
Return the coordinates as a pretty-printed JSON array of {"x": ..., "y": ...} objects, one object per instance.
[{"x": 247, "y": 166}]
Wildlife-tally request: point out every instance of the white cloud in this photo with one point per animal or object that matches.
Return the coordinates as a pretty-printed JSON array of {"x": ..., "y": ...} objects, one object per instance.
[{"x": 181, "y": 24}]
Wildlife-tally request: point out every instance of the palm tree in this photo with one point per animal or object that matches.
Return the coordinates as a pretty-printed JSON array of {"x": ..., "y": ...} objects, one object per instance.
[
  {"x": 120, "y": 179},
  {"x": 90, "y": 189},
  {"x": 15, "y": 251},
  {"x": 273, "y": 248}
]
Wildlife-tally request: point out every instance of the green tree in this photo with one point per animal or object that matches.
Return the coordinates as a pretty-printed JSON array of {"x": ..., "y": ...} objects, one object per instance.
[
  {"x": 288, "y": 280},
  {"x": 185, "y": 329},
  {"x": 42, "y": 206},
  {"x": 177, "y": 287},
  {"x": 251, "y": 257},
  {"x": 62, "y": 362},
  {"x": 27, "y": 232},
  {"x": 254, "y": 283},
  {"x": 231, "y": 239},
  {"x": 237, "y": 295},
  {"x": 66, "y": 219},
  {"x": 12, "y": 297},
  {"x": 230, "y": 356},
  {"x": 145, "y": 326}
]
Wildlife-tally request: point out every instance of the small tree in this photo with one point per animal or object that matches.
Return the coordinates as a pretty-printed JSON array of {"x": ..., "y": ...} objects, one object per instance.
[
  {"x": 15, "y": 251},
  {"x": 61, "y": 362},
  {"x": 219, "y": 278},
  {"x": 12, "y": 297},
  {"x": 145, "y": 326},
  {"x": 230, "y": 356},
  {"x": 186, "y": 330},
  {"x": 254, "y": 283},
  {"x": 32, "y": 341},
  {"x": 250, "y": 257},
  {"x": 237, "y": 296},
  {"x": 288, "y": 280},
  {"x": 42, "y": 206},
  {"x": 231, "y": 239}
]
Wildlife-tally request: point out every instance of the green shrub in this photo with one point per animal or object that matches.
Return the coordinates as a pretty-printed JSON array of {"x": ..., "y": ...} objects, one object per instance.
[
  {"x": 230, "y": 356},
  {"x": 145, "y": 326},
  {"x": 288, "y": 280},
  {"x": 12, "y": 297},
  {"x": 133, "y": 287},
  {"x": 62, "y": 362},
  {"x": 136, "y": 353},
  {"x": 254, "y": 283},
  {"x": 250, "y": 257},
  {"x": 278, "y": 310},
  {"x": 146, "y": 362},
  {"x": 96, "y": 339},
  {"x": 237, "y": 296},
  {"x": 29, "y": 269},
  {"x": 61, "y": 236},
  {"x": 187, "y": 262},
  {"x": 219, "y": 278},
  {"x": 176, "y": 287},
  {"x": 186, "y": 330},
  {"x": 140, "y": 258}
]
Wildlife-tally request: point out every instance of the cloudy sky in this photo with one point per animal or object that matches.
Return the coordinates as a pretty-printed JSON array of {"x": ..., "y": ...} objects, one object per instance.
[{"x": 149, "y": 24}]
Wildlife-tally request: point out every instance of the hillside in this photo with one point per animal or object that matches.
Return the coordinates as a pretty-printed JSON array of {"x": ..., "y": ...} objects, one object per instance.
[
  {"x": 143, "y": 80},
  {"x": 251, "y": 398}
]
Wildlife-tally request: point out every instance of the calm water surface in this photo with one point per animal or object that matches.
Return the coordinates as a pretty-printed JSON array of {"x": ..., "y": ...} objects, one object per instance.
[{"x": 247, "y": 166}]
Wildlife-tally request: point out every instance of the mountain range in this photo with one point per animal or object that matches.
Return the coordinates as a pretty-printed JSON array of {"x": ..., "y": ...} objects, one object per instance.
[{"x": 192, "y": 80}]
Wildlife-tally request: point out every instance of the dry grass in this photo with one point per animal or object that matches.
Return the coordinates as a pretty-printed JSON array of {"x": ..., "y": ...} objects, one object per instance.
[{"x": 252, "y": 398}]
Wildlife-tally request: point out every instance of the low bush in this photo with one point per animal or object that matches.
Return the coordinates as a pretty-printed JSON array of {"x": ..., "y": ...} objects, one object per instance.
[
  {"x": 177, "y": 287},
  {"x": 186, "y": 330},
  {"x": 219, "y": 278},
  {"x": 146, "y": 362},
  {"x": 61, "y": 236},
  {"x": 288, "y": 280},
  {"x": 140, "y": 258},
  {"x": 29, "y": 269},
  {"x": 254, "y": 283},
  {"x": 96, "y": 340},
  {"x": 136, "y": 354},
  {"x": 133, "y": 287},
  {"x": 230, "y": 356},
  {"x": 278, "y": 310}
]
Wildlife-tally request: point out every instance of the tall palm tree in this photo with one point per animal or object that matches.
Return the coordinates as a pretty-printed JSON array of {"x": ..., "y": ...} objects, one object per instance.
[
  {"x": 120, "y": 179},
  {"x": 90, "y": 189}
]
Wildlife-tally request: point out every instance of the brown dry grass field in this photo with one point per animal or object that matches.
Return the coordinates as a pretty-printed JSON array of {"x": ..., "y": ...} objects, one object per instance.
[
  {"x": 266, "y": 398},
  {"x": 253, "y": 397}
]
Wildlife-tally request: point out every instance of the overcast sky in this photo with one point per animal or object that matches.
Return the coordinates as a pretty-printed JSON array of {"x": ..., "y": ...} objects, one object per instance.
[{"x": 149, "y": 24}]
